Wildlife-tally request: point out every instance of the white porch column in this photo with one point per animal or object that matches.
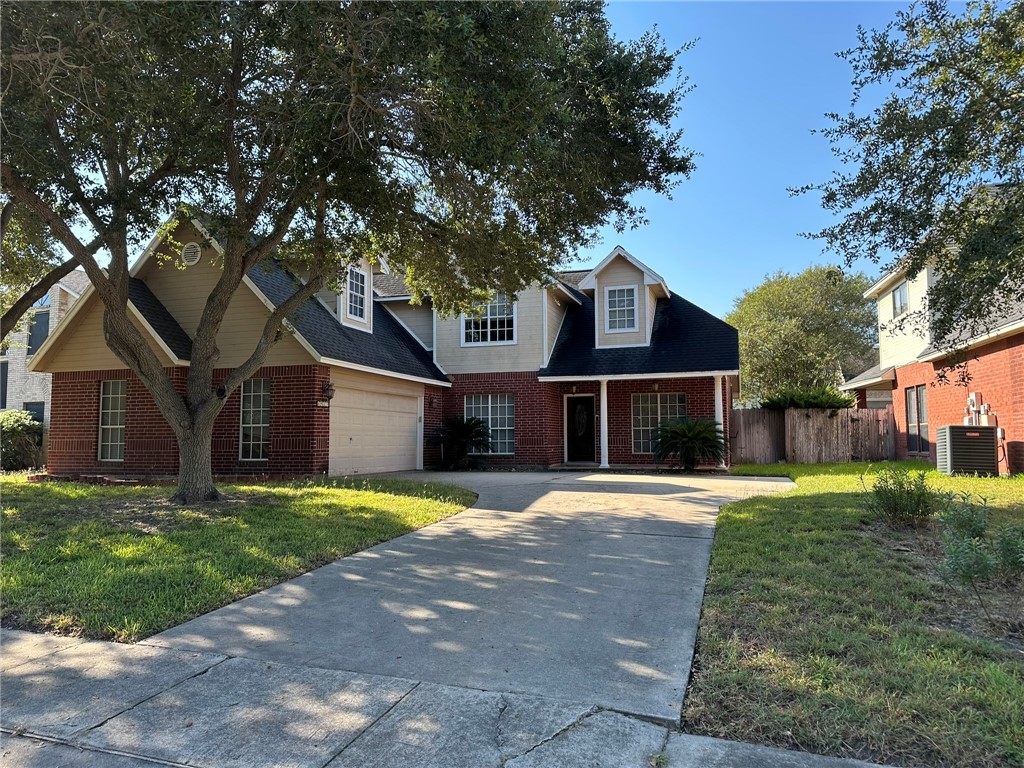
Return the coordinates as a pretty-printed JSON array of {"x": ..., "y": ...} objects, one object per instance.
[
  {"x": 604, "y": 423},
  {"x": 719, "y": 411}
]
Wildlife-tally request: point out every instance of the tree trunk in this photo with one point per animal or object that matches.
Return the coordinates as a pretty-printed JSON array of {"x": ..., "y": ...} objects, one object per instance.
[{"x": 195, "y": 464}]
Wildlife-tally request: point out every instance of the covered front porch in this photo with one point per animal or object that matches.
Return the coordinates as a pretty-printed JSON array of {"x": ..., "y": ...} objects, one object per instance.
[{"x": 609, "y": 421}]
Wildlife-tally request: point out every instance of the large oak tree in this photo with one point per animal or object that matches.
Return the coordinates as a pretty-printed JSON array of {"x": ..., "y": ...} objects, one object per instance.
[
  {"x": 475, "y": 145},
  {"x": 935, "y": 173}
]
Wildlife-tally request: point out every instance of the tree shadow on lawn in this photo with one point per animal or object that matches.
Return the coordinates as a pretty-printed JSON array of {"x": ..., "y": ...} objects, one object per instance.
[{"x": 127, "y": 564}]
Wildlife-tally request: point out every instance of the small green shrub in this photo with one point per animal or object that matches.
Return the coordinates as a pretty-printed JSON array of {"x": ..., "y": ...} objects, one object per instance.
[
  {"x": 21, "y": 438},
  {"x": 689, "y": 443},
  {"x": 1008, "y": 548},
  {"x": 968, "y": 561},
  {"x": 822, "y": 397},
  {"x": 961, "y": 518},
  {"x": 460, "y": 439},
  {"x": 901, "y": 498}
]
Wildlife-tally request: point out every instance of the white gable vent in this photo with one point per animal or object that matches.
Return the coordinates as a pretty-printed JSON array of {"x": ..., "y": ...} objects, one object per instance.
[{"x": 190, "y": 254}]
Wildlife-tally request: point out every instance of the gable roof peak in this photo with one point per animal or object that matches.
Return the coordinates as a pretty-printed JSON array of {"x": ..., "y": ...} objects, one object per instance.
[{"x": 650, "y": 276}]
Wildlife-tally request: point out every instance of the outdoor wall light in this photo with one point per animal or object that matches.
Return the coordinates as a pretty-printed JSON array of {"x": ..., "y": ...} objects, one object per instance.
[
  {"x": 433, "y": 401},
  {"x": 656, "y": 385},
  {"x": 574, "y": 389},
  {"x": 327, "y": 390}
]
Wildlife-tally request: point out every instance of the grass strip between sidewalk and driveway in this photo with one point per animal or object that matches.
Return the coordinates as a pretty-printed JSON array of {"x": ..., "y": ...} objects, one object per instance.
[
  {"x": 124, "y": 563},
  {"x": 824, "y": 631}
]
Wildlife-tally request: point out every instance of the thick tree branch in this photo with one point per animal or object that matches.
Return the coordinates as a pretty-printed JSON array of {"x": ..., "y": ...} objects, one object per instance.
[
  {"x": 271, "y": 333},
  {"x": 32, "y": 295}
]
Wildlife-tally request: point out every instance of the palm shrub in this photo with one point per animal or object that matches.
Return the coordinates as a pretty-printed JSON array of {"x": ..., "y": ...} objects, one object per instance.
[
  {"x": 901, "y": 498},
  {"x": 457, "y": 437},
  {"x": 21, "y": 438},
  {"x": 689, "y": 443}
]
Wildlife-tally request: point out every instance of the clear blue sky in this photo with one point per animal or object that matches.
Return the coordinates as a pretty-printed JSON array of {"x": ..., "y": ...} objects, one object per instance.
[{"x": 765, "y": 75}]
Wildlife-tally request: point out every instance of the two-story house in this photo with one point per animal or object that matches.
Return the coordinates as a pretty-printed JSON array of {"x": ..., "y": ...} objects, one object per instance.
[
  {"x": 909, "y": 362},
  {"x": 20, "y": 388},
  {"x": 580, "y": 370}
]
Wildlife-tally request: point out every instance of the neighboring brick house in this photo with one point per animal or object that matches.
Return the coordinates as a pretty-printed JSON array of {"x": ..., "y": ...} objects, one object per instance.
[
  {"x": 364, "y": 378},
  {"x": 20, "y": 388},
  {"x": 909, "y": 364}
]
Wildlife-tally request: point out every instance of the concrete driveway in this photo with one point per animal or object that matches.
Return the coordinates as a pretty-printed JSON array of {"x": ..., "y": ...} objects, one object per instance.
[
  {"x": 579, "y": 586},
  {"x": 501, "y": 638}
]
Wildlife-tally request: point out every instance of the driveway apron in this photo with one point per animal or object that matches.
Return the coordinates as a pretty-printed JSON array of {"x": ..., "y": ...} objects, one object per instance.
[{"x": 584, "y": 587}]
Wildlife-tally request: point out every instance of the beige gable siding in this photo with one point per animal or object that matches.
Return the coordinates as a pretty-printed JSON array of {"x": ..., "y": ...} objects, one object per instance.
[
  {"x": 652, "y": 306},
  {"x": 525, "y": 355},
  {"x": 621, "y": 273},
  {"x": 417, "y": 318},
  {"x": 556, "y": 313},
  {"x": 82, "y": 346},
  {"x": 184, "y": 292},
  {"x": 901, "y": 347}
]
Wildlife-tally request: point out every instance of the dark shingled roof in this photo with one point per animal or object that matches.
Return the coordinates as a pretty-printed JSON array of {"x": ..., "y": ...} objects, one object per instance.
[
  {"x": 685, "y": 339},
  {"x": 160, "y": 319},
  {"x": 390, "y": 347},
  {"x": 573, "y": 277},
  {"x": 76, "y": 280},
  {"x": 387, "y": 286}
]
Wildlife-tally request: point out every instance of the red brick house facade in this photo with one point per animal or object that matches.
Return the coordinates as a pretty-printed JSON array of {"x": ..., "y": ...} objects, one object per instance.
[
  {"x": 580, "y": 372},
  {"x": 922, "y": 402}
]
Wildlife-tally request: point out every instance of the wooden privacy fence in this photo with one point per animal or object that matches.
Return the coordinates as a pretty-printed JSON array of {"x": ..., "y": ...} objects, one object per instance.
[{"x": 809, "y": 436}]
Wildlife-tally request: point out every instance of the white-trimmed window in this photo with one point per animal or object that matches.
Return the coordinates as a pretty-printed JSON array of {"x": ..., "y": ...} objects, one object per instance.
[
  {"x": 899, "y": 299},
  {"x": 254, "y": 434},
  {"x": 620, "y": 308},
  {"x": 355, "y": 288},
  {"x": 499, "y": 413},
  {"x": 650, "y": 410},
  {"x": 493, "y": 322},
  {"x": 113, "y": 405}
]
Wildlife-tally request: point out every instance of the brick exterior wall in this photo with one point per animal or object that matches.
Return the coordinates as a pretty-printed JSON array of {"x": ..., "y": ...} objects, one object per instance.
[
  {"x": 997, "y": 373},
  {"x": 299, "y": 427},
  {"x": 433, "y": 413},
  {"x": 539, "y": 419}
]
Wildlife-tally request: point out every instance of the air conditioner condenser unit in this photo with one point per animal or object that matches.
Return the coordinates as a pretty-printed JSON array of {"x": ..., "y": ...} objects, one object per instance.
[{"x": 961, "y": 449}]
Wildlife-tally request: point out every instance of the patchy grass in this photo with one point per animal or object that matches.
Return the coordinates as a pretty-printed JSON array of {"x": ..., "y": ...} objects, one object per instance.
[
  {"x": 123, "y": 563},
  {"x": 825, "y": 631}
]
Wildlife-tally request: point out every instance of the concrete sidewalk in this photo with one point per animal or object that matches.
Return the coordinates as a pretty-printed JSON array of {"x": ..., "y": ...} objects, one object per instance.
[{"x": 84, "y": 704}]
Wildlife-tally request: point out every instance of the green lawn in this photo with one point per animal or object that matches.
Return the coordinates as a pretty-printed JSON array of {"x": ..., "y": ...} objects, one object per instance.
[
  {"x": 123, "y": 563},
  {"x": 824, "y": 631}
]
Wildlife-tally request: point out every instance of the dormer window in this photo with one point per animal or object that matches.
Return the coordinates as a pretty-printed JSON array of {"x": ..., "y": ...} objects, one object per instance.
[
  {"x": 356, "y": 294},
  {"x": 899, "y": 299},
  {"x": 493, "y": 322},
  {"x": 620, "y": 308}
]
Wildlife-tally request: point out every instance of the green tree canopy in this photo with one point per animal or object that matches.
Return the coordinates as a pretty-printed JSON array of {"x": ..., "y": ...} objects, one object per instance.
[
  {"x": 475, "y": 145},
  {"x": 803, "y": 331},
  {"x": 935, "y": 173}
]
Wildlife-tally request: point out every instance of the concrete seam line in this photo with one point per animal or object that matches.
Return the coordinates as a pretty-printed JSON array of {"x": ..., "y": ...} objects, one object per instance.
[
  {"x": 367, "y": 729},
  {"x": 589, "y": 713},
  {"x": 72, "y": 739},
  {"x": 26, "y": 734}
]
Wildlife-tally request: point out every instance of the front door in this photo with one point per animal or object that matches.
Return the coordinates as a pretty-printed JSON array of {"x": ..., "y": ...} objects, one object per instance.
[{"x": 579, "y": 428}]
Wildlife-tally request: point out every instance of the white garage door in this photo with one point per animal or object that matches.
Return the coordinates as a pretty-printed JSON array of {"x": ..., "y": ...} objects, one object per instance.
[{"x": 373, "y": 432}]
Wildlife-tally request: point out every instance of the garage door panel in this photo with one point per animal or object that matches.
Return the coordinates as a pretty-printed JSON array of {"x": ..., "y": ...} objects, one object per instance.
[{"x": 373, "y": 432}]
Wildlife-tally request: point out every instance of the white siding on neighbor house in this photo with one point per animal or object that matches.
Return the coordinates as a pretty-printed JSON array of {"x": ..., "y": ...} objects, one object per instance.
[
  {"x": 525, "y": 355},
  {"x": 375, "y": 424},
  {"x": 24, "y": 386},
  {"x": 417, "y": 318},
  {"x": 899, "y": 347},
  {"x": 621, "y": 273},
  {"x": 557, "y": 305},
  {"x": 652, "y": 307},
  {"x": 184, "y": 292}
]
